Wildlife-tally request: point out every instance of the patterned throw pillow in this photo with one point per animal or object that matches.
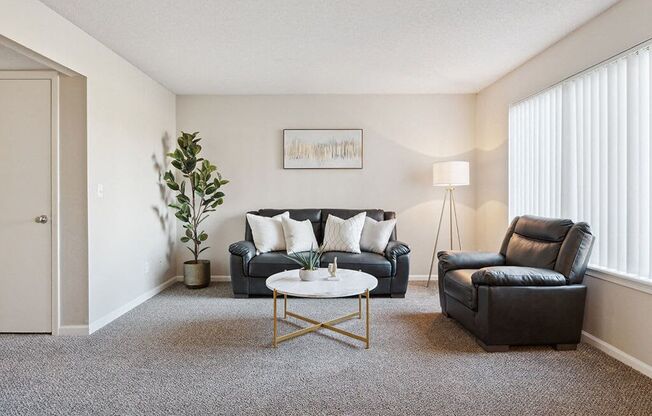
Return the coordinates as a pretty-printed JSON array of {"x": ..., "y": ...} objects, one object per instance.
[
  {"x": 376, "y": 234},
  {"x": 267, "y": 232},
  {"x": 343, "y": 235}
]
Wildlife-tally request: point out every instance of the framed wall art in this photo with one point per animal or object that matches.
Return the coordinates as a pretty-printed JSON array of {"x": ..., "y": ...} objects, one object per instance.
[{"x": 322, "y": 149}]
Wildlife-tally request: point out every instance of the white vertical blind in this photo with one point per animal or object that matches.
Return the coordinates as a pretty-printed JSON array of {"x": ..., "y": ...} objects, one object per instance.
[
  {"x": 535, "y": 149},
  {"x": 581, "y": 150}
]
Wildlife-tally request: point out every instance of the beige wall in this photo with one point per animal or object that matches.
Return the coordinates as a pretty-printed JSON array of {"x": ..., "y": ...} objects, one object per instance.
[
  {"x": 128, "y": 115},
  {"x": 615, "y": 314},
  {"x": 620, "y": 316},
  {"x": 73, "y": 209},
  {"x": 403, "y": 135}
]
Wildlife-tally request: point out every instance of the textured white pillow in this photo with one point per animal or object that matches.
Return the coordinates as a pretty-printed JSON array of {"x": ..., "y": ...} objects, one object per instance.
[
  {"x": 299, "y": 235},
  {"x": 267, "y": 232},
  {"x": 376, "y": 234},
  {"x": 343, "y": 235}
]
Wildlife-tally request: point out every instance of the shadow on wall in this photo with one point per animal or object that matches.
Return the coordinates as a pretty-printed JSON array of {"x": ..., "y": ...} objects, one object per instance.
[
  {"x": 492, "y": 196},
  {"x": 491, "y": 175},
  {"x": 165, "y": 198}
]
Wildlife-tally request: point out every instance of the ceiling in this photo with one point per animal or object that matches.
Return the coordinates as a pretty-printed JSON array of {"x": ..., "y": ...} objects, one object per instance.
[
  {"x": 11, "y": 60},
  {"x": 327, "y": 46}
]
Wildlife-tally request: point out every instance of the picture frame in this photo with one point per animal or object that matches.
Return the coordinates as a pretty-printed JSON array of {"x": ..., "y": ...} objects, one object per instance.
[{"x": 323, "y": 149}]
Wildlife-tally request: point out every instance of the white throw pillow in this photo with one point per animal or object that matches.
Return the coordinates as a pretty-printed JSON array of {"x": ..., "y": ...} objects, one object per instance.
[
  {"x": 343, "y": 235},
  {"x": 376, "y": 234},
  {"x": 267, "y": 232},
  {"x": 299, "y": 235}
]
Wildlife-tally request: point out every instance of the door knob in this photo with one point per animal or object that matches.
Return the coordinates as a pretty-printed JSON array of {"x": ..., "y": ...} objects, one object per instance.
[{"x": 41, "y": 219}]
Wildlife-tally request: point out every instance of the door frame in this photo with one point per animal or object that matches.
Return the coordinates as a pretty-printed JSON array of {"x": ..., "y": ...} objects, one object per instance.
[{"x": 55, "y": 254}]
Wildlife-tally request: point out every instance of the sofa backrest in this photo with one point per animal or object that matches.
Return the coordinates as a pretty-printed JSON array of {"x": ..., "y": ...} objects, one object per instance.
[
  {"x": 549, "y": 243},
  {"x": 314, "y": 215},
  {"x": 318, "y": 218},
  {"x": 375, "y": 214}
]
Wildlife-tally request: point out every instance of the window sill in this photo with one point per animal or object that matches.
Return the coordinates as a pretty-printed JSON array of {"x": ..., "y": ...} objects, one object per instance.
[{"x": 642, "y": 285}]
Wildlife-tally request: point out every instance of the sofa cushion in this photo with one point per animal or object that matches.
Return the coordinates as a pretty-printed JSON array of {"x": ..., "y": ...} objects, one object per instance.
[
  {"x": 528, "y": 252},
  {"x": 314, "y": 215},
  {"x": 371, "y": 263},
  {"x": 517, "y": 276},
  {"x": 267, "y": 232},
  {"x": 266, "y": 264},
  {"x": 299, "y": 235},
  {"x": 377, "y": 214},
  {"x": 540, "y": 228},
  {"x": 458, "y": 285},
  {"x": 343, "y": 235},
  {"x": 534, "y": 241},
  {"x": 388, "y": 215},
  {"x": 376, "y": 235}
]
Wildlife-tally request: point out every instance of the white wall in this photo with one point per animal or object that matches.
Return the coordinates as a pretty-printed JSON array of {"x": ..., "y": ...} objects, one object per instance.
[
  {"x": 128, "y": 115},
  {"x": 615, "y": 314},
  {"x": 403, "y": 135}
]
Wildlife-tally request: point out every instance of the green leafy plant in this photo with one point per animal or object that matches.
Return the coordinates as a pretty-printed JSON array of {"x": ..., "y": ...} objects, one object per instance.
[
  {"x": 309, "y": 260},
  {"x": 194, "y": 202}
]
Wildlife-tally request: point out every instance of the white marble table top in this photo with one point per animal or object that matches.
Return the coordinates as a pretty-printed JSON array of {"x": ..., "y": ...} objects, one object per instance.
[{"x": 351, "y": 283}]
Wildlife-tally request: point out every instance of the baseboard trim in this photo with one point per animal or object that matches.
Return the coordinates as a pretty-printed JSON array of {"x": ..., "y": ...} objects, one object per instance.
[
  {"x": 224, "y": 278},
  {"x": 116, "y": 313},
  {"x": 618, "y": 354},
  {"x": 73, "y": 330}
]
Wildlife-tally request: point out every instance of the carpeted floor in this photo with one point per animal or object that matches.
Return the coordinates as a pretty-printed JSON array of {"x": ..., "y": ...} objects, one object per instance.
[{"x": 202, "y": 352}]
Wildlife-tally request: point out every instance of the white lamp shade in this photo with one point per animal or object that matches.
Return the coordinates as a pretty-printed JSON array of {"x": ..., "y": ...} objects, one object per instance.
[{"x": 452, "y": 173}]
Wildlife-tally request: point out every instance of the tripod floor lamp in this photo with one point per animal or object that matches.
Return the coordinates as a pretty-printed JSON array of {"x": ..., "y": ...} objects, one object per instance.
[{"x": 449, "y": 175}]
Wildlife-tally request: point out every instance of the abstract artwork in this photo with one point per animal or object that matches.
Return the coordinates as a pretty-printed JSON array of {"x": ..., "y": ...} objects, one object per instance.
[{"x": 322, "y": 149}]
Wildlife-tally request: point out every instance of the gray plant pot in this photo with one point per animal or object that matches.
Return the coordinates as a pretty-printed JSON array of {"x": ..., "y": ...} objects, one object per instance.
[{"x": 196, "y": 274}]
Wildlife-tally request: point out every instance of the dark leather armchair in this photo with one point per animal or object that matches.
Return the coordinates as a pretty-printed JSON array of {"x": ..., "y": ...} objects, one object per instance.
[
  {"x": 531, "y": 292},
  {"x": 249, "y": 269}
]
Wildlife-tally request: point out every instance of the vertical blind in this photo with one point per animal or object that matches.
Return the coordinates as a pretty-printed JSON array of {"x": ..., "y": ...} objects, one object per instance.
[{"x": 581, "y": 150}]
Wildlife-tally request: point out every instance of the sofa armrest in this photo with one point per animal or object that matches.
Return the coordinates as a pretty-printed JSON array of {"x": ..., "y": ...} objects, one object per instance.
[
  {"x": 395, "y": 249},
  {"x": 398, "y": 254},
  {"x": 241, "y": 253},
  {"x": 244, "y": 249},
  {"x": 517, "y": 276},
  {"x": 455, "y": 260}
]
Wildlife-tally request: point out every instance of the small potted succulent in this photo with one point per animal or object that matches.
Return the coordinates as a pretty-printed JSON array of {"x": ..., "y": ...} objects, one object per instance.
[
  {"x": 309, "y": 263},
  {"x": 198, "y": 194}
]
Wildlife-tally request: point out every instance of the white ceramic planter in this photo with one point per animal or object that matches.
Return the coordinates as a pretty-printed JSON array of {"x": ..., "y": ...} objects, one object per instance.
[{"x": 308, "y": 275}]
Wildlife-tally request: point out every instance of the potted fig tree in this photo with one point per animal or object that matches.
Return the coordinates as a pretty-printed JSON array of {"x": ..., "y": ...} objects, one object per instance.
[{"x": 197, "y": 187}]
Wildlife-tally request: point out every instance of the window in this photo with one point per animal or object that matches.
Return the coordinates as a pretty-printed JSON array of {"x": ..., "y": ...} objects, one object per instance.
[{"x": 581, "y": 150}]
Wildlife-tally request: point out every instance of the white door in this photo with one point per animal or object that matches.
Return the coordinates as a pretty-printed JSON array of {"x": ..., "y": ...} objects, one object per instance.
[{"x": 25, "y": 194}]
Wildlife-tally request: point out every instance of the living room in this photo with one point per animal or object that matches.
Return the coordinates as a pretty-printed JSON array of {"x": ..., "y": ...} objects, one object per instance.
[{"x": 390, "y": 207}]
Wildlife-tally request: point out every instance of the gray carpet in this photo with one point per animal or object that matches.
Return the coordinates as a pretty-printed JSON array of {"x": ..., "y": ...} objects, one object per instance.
[{"x": 202, "y": 352}]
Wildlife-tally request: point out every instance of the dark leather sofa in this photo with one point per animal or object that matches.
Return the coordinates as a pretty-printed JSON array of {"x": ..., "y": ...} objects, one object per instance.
[
  {"x": 531, "y": 292},
  {"x": 249, "y": 271}
]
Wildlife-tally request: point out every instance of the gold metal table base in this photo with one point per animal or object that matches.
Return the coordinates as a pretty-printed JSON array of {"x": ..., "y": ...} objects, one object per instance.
[{"x": 330, "y": 325}]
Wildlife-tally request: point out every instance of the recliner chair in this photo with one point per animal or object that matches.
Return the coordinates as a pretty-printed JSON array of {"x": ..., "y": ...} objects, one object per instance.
[{"x": 531, "y": 292}]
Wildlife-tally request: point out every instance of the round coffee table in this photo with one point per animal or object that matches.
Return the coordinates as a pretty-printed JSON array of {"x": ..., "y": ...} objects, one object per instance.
[{"x": 350, "y": 283}]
